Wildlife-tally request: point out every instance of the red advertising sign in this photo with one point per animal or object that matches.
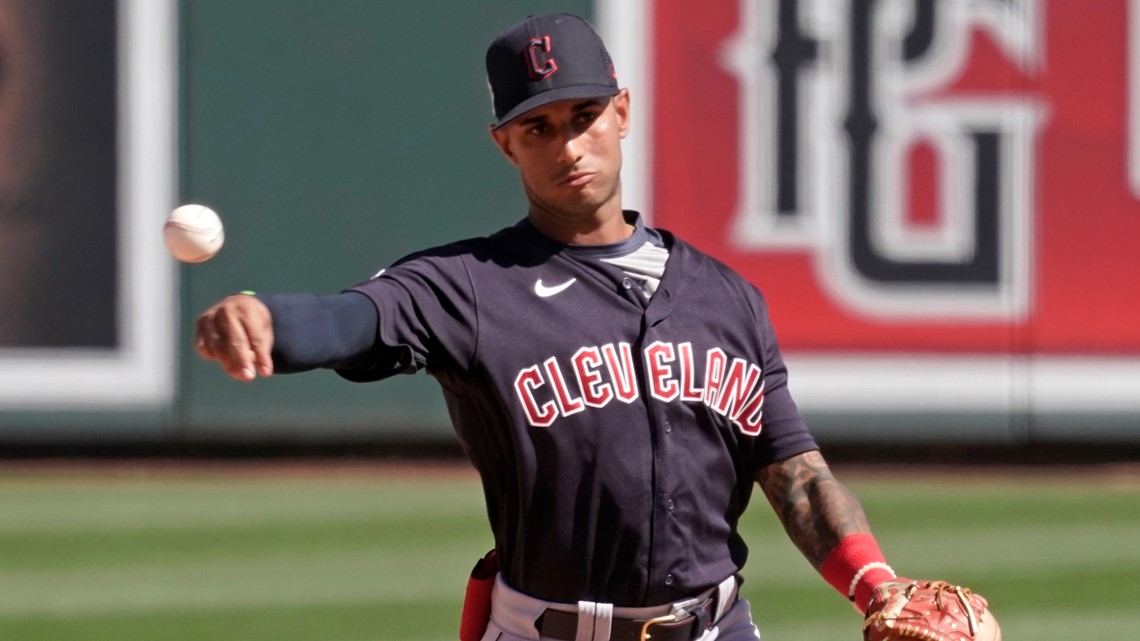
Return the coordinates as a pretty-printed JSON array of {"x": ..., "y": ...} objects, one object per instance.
[
  {"x": 936, "y": 176},
  {"x": 947, "y": 187}
]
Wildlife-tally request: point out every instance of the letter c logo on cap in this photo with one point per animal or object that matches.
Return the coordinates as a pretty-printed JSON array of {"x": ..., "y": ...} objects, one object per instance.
[{"x": 541, "y": 63}]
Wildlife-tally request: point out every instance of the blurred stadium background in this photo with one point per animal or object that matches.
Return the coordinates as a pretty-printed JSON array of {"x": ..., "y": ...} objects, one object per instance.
[{"x": 939, "y": 200}]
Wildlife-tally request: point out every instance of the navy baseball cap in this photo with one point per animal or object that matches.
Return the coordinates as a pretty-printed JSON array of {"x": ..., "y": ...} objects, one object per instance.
[{"x": 544, "y": 59}]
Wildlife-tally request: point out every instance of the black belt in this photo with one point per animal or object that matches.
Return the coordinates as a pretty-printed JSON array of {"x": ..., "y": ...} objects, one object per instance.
[{"x": 689, "y": 625}]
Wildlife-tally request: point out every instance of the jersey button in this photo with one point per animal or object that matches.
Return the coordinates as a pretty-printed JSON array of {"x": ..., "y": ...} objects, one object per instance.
[
  {"x": 626, "y": 283},
  {"x": 668, "y": 427},
  {"x": 669, "y": 505},
  {"x": 668, "y": 579}
]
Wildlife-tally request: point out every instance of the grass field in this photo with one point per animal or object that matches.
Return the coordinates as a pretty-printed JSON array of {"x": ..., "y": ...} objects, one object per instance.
[{"x": 366, "y": 554}]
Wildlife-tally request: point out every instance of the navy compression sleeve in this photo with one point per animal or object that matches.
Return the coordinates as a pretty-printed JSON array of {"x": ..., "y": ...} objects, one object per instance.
[{"x": 311, "y": 331}]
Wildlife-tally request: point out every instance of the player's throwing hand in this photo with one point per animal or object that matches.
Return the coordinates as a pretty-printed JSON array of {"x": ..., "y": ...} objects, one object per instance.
[{"x": 238, "y": 333}]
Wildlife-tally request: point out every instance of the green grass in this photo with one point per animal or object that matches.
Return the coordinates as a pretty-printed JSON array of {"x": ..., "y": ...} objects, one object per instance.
[{"x": 290, "y": 557}]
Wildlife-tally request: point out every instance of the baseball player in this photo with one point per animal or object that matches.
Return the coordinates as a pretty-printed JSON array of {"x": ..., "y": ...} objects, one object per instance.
[{"x": 618, "y": 391}]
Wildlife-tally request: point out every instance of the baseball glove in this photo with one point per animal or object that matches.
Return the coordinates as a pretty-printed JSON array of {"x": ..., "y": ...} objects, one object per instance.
[{"x": 902, "y": 610}]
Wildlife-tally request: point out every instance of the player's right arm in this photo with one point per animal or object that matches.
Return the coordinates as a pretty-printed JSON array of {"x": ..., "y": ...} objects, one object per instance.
[
  {"x": 250, "y": 335},
  {"x": 420, "y": 309}
]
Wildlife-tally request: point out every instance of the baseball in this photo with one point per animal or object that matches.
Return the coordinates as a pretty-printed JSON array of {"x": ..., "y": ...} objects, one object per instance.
[{"x": 193, "y": 233}]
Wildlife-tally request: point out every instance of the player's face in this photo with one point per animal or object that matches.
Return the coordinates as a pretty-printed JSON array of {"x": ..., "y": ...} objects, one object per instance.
[{"x": 569, "y": 154}]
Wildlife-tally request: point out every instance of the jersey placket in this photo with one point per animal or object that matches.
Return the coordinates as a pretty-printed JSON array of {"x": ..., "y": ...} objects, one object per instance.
[
  {"x": 660, "y": 576},
  {"x": 653, "y": 311}
]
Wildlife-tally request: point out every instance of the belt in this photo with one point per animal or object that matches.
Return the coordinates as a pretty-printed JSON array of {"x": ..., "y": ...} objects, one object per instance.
[{"x": 685, "y": 626}]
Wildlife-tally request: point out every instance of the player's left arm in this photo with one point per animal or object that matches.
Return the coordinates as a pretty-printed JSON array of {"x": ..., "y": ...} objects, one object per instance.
[
  {"x": 826, "y": 522},
  {"x": 817, "y": 511},
  {"x": 828, "y": 525}
]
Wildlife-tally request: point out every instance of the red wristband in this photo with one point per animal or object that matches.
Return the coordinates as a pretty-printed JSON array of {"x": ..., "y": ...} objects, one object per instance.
[{"x": 855, "y": 567}]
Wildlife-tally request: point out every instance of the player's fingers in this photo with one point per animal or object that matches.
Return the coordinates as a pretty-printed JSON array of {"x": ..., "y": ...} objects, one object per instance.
[
  {"x": 252, "y": 348},
  {"x": 258, "y": 328},
  {"x": 264, "y": 361},
  {"x": 239, "y": 361},
  {"x": 234, "y": 349},
  {"x": 206, "y": 337},
  {"x": 257, "y": 325},
  {"x": 237, "y": 333}
]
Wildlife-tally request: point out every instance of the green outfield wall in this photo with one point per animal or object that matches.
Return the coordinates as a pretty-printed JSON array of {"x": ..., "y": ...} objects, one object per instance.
[{"x": 336, "y": 137}]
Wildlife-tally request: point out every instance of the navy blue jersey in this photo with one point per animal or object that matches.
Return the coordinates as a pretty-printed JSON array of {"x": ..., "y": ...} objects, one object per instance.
[{"x": 617, "y": 436}]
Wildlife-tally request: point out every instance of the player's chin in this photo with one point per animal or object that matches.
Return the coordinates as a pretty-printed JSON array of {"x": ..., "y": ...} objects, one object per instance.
[
  {"x": 575, "y": 193},
  {"x": 586, "y": 197}
]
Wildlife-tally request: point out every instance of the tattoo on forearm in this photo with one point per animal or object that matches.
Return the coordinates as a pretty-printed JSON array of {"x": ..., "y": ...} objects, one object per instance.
[{"x": 815, "y": 508}]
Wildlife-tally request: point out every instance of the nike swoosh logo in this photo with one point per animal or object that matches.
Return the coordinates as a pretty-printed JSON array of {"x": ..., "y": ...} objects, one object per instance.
[{"x": 545, "y": 292}]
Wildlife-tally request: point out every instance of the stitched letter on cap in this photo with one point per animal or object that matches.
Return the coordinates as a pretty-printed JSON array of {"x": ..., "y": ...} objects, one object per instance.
[{"x": 540, "y": 67}]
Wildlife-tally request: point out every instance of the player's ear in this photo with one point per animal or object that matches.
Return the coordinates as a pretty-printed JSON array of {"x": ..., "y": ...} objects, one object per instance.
[
  {"x": 503, "y": 140},
  {"x": 621, "y": 110}
]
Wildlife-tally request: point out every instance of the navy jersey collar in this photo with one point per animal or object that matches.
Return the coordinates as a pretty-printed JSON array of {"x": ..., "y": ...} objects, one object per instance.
[{"x": 640, "y": 236}]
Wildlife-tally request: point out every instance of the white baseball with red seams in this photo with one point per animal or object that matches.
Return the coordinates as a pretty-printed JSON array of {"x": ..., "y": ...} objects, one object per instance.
[{"x": 193, "y": 233}]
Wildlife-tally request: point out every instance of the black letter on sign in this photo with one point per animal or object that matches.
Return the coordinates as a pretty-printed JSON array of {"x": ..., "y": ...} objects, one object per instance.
[
  {"x": 862, "y": 125},
  {"x": 792, "y": 52}
]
